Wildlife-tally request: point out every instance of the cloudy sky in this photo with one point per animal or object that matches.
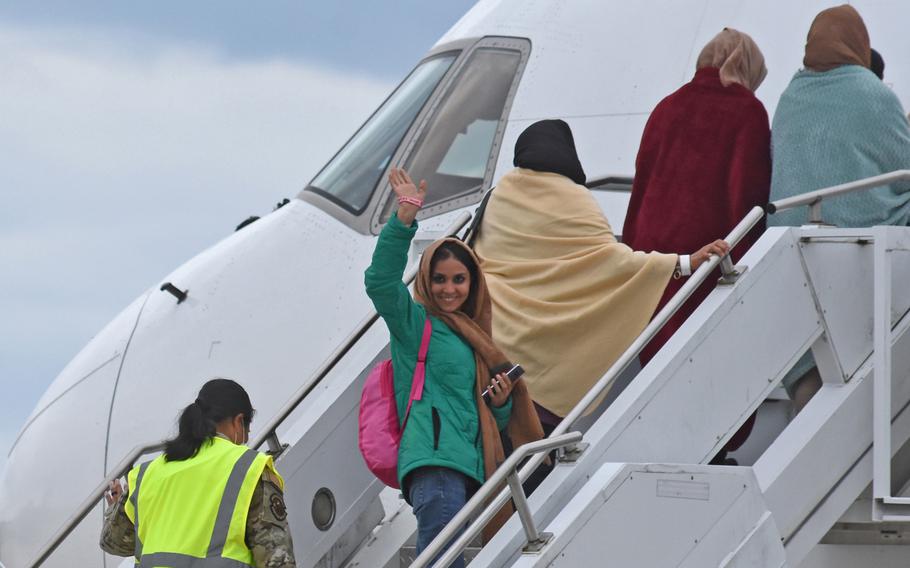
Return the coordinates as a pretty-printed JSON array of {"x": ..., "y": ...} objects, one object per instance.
[{"x": 133, "y": 135}]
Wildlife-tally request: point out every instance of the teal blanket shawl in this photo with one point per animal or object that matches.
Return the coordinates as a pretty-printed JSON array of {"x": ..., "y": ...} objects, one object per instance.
[{"x": 835, "y": 127}]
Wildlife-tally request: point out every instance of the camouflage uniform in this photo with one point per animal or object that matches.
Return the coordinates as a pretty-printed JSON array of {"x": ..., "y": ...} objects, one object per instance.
[{"x": 267, "y": 533}]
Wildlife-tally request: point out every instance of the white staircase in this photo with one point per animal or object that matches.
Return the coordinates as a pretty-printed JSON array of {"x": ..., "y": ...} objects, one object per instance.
[{"x": 803, "y": 287}]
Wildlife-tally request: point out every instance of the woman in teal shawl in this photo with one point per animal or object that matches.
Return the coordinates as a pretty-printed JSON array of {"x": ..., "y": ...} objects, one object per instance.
[{"x": 835, "y": 123}]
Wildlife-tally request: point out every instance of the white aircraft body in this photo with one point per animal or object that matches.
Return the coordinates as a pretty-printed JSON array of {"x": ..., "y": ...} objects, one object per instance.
[{"x": 268, "y": 305}]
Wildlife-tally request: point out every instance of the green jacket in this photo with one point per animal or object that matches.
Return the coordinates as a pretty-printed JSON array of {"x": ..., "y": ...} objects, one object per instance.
[{"x": 443, "y": 429}]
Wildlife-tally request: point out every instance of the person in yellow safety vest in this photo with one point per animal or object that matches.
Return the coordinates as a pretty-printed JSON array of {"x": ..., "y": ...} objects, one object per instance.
[{"x": 208, "y": 500}]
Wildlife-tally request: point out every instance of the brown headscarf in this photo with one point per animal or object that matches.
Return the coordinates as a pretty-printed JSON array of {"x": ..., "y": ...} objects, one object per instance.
[
  {"x": 738, "y": 58},
  {"x": 474, "y": 323},
  {"x": 837, "y": 37}
]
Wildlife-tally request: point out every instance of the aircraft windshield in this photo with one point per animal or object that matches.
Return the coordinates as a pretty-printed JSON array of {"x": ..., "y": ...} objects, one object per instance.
[
  {"x": 454, "y": 147},
  {"x": 353, "y": 173}
]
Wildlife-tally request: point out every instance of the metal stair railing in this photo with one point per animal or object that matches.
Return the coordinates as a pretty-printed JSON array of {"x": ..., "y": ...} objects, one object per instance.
[
  {"x": 813, "y": 199},
  {"x": 506, "y": 472},
  {"x": 269, "y": 434},
  {"x": 730, "y": 274}
]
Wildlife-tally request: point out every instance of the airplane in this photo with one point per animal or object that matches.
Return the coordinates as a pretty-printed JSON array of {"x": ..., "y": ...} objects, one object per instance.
[{"x": 271, "y": 303}]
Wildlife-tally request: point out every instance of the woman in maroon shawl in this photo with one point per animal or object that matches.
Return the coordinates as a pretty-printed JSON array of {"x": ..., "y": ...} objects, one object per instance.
[{"x": 703, "y": 163}]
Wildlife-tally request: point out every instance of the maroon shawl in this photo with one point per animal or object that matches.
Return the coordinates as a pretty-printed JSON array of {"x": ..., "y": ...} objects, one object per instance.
[{"x": 703, "y": 163}]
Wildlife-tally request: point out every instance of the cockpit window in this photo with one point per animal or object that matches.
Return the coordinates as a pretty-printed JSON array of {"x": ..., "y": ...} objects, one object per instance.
[
  {"x": 351, "y": 176},
  {"x": 453, "y": 148}
]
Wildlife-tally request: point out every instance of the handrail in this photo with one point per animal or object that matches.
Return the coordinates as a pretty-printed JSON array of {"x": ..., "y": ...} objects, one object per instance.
[
  {"x": 814, "y": 198},
  {"x": 323, "y": 370},
  {"x": 89, "y": 503},
  {"x": 268, "y": 435},
  {"x": 678, "y": 299},
  {"x": 507, "y": 469}
]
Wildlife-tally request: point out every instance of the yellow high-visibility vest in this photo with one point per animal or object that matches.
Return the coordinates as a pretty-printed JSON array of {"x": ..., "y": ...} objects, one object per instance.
[{"x": 193, "y": 513}]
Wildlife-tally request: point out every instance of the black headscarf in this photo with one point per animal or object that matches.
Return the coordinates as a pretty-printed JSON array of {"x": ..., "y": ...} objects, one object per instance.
[
  {"x": 877, "y": 65},
  {"x": 548, "y": 146}
]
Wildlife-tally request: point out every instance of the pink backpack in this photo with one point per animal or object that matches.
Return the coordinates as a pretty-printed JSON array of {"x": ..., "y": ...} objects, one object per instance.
[{"x": 380, "y": 435}]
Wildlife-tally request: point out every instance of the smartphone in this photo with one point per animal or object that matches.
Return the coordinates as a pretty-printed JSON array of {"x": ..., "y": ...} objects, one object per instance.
[{"x": 514, "y": 374}]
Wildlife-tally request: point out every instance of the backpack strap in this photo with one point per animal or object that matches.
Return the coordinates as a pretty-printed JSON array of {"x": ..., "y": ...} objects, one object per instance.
[
  {"x": 419, "y": 370},
  {"x": 471, "y": 235}
]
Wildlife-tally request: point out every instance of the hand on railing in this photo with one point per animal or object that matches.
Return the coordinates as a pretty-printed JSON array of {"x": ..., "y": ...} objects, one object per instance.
[
  {"x": 718, "y": 248},
  {"x": 114, "y": 493}
]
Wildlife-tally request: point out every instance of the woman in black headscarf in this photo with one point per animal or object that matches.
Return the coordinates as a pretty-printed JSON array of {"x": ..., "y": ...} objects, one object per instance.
[
  {"x": 548, "y": 146},
  {"x": 563, "y": 289}
]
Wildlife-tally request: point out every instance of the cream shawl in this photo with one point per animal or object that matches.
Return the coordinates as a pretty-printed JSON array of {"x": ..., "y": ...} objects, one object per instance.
[{"x": 567, "y": 298}]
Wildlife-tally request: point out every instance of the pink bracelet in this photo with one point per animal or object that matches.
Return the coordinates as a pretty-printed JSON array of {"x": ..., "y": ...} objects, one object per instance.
[{"x": 412, "y": 200}]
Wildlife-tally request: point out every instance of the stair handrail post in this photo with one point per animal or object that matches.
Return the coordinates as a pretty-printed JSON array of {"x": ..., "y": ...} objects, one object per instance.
[
  {"x": 487, "y": 490},
  {"x": 881, "y": 383}
]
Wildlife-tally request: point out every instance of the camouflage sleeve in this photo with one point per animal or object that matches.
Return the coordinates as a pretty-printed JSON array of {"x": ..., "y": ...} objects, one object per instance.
[
  {"x": 267, "y": 532},
  {"x": 118, "y": 535}
]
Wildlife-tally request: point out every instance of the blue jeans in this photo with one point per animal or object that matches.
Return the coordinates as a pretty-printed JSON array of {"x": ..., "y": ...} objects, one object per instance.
[{"x": 436, "y": 495}]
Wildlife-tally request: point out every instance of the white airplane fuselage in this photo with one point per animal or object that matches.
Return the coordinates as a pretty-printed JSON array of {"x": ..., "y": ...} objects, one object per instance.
[{"x": 266, "y": 305}]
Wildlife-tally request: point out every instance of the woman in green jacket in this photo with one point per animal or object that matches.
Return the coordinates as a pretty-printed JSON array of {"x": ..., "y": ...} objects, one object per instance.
[{"x": 452, "y": 442}]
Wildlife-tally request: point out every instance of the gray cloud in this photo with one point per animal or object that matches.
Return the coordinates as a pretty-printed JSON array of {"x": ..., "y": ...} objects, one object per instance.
[{"x": 122, "y": 158}]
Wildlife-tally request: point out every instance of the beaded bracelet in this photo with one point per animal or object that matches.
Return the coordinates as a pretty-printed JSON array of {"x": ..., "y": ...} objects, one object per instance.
[{"x": 416, "y": 201}]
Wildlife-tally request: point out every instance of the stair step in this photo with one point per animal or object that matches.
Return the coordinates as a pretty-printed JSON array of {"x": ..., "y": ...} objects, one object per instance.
[{"x": 408, "y": 553}]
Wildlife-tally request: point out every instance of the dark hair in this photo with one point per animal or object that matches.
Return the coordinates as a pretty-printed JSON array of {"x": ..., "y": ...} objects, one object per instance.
[
  {"x": 451, "y": 249},
  {"x": 218, "y": 399},
  {"x": 877, "y": 64}
]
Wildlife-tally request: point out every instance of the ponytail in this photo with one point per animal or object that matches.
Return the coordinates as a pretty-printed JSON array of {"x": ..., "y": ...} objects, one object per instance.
[{"x": 219, "y": 399}]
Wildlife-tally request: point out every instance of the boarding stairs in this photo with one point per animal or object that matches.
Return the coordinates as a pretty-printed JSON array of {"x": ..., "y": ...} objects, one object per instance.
[
  {"x": 836, "y": 291},
  {"x": 633, "y": 491}
]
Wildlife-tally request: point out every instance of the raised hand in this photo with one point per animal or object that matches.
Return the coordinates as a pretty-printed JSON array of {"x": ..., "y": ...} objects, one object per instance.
[
  {"x": 404, "y": 187},
  {"x": 718, "y": 247},
  {"x": 410, "y": 197}
]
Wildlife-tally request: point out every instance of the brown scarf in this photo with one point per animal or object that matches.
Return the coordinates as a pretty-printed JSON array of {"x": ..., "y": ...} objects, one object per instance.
[
  {"x": 738, "y": 58},
  {"x": 474, "y": 322},
  {"x": 838, "y": 37}
]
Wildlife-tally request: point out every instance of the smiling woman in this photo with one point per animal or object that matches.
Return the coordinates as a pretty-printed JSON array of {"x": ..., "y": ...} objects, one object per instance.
[
  {"x": 452, "y": 274},
  {"x": 452, "y": 442}
]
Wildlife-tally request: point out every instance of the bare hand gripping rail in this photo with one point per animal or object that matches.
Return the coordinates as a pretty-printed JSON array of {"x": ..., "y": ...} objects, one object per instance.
[
  {"x": 813, "y": 199},
  {"x": 269, "y": 433}
]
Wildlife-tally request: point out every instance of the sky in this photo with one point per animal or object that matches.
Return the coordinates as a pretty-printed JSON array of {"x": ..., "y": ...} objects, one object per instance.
[{"x": 134, "y": 135}]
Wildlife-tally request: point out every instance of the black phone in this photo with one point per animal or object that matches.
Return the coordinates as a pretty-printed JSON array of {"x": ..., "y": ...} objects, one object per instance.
[{"x": 514, "y": 374}]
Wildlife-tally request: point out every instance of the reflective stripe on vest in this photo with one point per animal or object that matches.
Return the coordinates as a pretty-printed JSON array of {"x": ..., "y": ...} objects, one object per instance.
[
  {"x": 135, "y": 500},
  {"x": 221, "y": 530},
  {"x": 174, "y": 560}
]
